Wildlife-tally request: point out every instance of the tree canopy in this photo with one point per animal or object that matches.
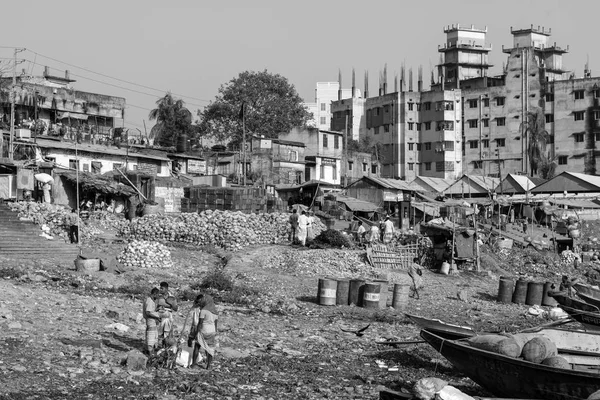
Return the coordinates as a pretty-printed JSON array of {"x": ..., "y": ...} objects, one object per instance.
[
  {"x": 272, "y": 106},
  {"x": 173, "y": 119}
]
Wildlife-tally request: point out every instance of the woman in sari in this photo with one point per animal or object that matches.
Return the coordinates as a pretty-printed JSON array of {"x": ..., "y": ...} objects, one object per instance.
[{"x": 203, "y": 331}]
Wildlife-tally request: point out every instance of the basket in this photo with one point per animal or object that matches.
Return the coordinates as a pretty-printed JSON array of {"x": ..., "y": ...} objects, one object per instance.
[{"x": 91, "y": 265}]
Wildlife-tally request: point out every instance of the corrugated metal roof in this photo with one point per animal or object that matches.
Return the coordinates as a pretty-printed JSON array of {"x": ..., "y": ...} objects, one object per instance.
[
  {"x": 389, "y": 183},
  {"x": 356, "y": 205},
  {"x": 96, "y": 148},
  {"x": 473, "y": 184},
  {"x": 575, "y": 203},
  {"x": 570, "y": 182},
  {"x": 515, "y": 184},
  {"x": 430, "y": 184}
]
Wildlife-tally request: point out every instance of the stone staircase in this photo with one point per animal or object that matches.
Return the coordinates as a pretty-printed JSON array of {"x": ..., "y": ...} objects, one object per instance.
[{"x": 22, "y": 239}]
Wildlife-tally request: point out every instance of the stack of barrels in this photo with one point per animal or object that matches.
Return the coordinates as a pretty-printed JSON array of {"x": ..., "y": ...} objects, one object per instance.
[
  {"x": 527, "y": 292},
  {"x": 361, "y": 292}
]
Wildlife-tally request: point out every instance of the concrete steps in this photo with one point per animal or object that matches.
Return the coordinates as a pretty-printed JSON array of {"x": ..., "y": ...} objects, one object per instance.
[{"x": 22, "y": 238}]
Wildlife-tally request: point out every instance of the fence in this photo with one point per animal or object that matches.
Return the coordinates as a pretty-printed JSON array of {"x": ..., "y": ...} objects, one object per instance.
[{"x": 392, "y": 256}]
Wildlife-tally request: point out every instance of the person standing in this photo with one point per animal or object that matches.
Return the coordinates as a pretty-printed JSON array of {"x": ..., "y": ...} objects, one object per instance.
[
  {"x": 46, "y": 189},
  {"x": 73, "y": 223},
  {"x": 294, "y": 225},
  {"x": 167, "y": 304},
  {"x": 302, "y": 228},
  {"x": 152, "y": 319},
  {"x": 360, "y": 232},
  {"x": 203, "y": 330},
  {"x": 388, "y": 230},
  {"x": 374, "y": 234},
  {"x": 415, "y": 272}
]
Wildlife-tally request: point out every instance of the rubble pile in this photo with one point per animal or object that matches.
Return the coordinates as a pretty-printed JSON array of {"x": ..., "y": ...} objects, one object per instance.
[
  {"x": 226, "y": 229},
  {"x": 50, "y": 217},
  {"x": 145, "y": 254},
  {"x": 338, "y": 263}
]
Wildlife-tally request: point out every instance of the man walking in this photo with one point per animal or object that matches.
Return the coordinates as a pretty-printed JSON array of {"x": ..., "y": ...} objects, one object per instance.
[
  {"x": 152, "y": 318},
  {"x": 294, "y": 224}
]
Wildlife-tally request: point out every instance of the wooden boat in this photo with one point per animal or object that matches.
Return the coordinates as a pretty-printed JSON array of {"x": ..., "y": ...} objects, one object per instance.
[
  {"x": 588, "y": 294},
  {"x": 441, "y": 328},
  {"x": 387, "y": 394},
  {"x": 586, "y": 314},
  {"x": 517, "y": 378}
]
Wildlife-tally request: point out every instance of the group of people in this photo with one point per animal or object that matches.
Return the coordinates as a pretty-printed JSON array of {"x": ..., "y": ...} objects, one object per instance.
[
  {"x": 301, "y": 227},
  {"x": 384, "y": 232},
  {"x": 158, "y": 312}
]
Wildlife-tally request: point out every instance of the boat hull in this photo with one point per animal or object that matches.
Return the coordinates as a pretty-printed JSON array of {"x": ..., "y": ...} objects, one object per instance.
[
  {"x": 443, "y": 329},
  {"x": 589, "y": 320},
  {"x": 512, "y": 377}
]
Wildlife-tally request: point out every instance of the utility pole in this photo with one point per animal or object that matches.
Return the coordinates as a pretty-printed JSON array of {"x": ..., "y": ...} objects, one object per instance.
[
  {"x": 12, "y": 106},
  {"x": 244, "y": 141},
  {"x": 345, "y": 158}
]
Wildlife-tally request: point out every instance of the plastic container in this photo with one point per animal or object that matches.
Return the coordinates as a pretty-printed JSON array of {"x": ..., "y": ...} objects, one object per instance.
[
  {"x": 548, "y": 300},
  {"x": 89, "y": 265},
  {"x": 372, "y": 297},
  {"x": 445, "y": 269},
  {"x": 327, "y": 292},
  {"x": 400, "y": 298},
  {"x": 535, "y": 292},
  {"x": 520, "y": 294},
  {"x": 342, "y": 292},
  {"x": 355, "y": 294},
  {"x": 505, "y": 289}
]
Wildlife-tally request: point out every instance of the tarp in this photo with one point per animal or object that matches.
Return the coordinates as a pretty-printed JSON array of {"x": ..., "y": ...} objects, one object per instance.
[
  {"x": 356, "y": 204},
  {"x": 62, "y": 115},
  {"x": 574, "y": 203}
]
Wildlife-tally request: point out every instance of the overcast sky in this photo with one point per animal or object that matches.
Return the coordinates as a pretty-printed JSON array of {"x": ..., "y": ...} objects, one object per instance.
[{"x": 192, "y": 47}]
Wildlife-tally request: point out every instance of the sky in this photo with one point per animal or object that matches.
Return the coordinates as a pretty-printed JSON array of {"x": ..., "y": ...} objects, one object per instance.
[{"x": 141, "y": 49}]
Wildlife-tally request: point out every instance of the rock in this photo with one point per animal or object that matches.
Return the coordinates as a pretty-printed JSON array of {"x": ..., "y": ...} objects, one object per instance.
[
  {"x": 136, "y": 361},
  {"x": 98, "y": 309},
  {"x": 14, "y": 325},
  {"x": 117, "y": 326},
  {"x": 116, "y": 370},
  {"x": 463, "y": 295},
  {"x": 113, "y": 314},
  {"x": 228, "y": 352},
  {"x": 5, "y": 313},
  {"x": 19, "y": 368},
  {"x": 36, "y": 278},
  {"x": 83, "y": 353}
]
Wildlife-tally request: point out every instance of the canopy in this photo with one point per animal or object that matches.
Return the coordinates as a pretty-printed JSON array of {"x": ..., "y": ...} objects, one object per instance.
[
  {"x": 62, "y": 115},
  {"x": 98, "y": 183},
  {"x": 574, "y": 203}
]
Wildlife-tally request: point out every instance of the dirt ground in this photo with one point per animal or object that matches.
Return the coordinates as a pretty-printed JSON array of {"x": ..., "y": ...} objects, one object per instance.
[{"x": 58, "y": 338}]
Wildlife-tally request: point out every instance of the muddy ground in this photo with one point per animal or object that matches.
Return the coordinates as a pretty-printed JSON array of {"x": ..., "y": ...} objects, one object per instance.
[{"x": 57, "y": 340}]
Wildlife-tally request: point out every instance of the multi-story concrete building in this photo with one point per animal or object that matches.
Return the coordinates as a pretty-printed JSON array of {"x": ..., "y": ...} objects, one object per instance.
[
  {"x": 277, "y": 161},
  {"x": 325, "y": 93}
]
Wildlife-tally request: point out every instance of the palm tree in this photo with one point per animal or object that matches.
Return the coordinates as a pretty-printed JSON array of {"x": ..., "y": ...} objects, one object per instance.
[
  {"x": 173, "y": 119},
  {"x": 547, "y": 167},
  {"x": 534, "y": 129}
]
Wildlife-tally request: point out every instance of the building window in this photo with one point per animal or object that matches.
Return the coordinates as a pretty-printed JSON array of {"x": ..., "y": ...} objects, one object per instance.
[
  {"x": 336, "y": 142},
  {"x": 500, "y": 101},
  {"x": 376, "y": 130},
  {"x": 411, "y": 106},
  {"x": 473, "y": 103},
  {"x": 427, "y": 125},
  {"x": 350, "y": 165},
  {"x": 427, "y": 105},
  {"x": 500, "y": 142},
  {"x": 418, "y": 126},
  {"x": 115, "y": 165},
  {"x": 596, "y": 93},
  {"x": 73, "y": 164},
  {"x": 549, "y": 96},
  {"x": 473, "y": 144},
  {"x": 562, "y": 160},
  {"x": 418, "y": 106},
  {"x": 386, "y": 128},
  {"x": 439, "y": 166},
  {"x": 597, "y": 136},
  {"x": 477, "y": 164},
  {"x": 579, "y": 94},
  {"x": 418, "y": 146},
  {"x": 86, "y": 167},
  {"x": 485, "y": 122},
  {"x": 579, "y": 137},
  {"x": 486, "y": 102},
  {"x": 485, "y": 143},
  {"x": 322, "y": 171},
  {"x": 500, "y": 121},
  {"x": 472, "y": 123},
  {"x": 378, "y": 111},
  {"x": 549, "y": 118},
  {"x": 411, "y": 146},
  {"x": 427, "y": 166},
  {"x": 427, "y": 145},
  {"x": 579, "y": 115},
  {"x": 448, "y": 145},
  {"x": 323, "y": 106},
  {"x": 411, "y": 166},
  {"x": 374, "y": 169},
  {"x": 323, "y": 120},
  {"x": 334, "y": 174},
  {"x": 596, "y": 115},
  {"x": 411, "y": 126},
  {"x": 293, "y": 155},
  {"x": 386, "y": 109},
  {"x": 325, "y": 141},
  {"x": 364, "y": 167}
]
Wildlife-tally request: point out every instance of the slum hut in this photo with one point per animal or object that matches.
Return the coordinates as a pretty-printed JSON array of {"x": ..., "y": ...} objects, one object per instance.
[
  {"x": 393, "y": 195},
  {"x": 346, "y": 207},
  {"x": 444, "y": 234},
  {"x": 309, "y": 194},
  {"x": 92, "y": 188},
  {"x": 472, "y": 186}
]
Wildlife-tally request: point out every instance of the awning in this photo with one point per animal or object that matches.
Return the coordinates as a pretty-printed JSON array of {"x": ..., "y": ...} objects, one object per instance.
[
  {"x": 356, "y": 204},
  {"x": 574, "y": 203},
  {"x": 427, "y": 208},
  {"x": 62, "y": 115},
  {"x": 97, "y": 183}
]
